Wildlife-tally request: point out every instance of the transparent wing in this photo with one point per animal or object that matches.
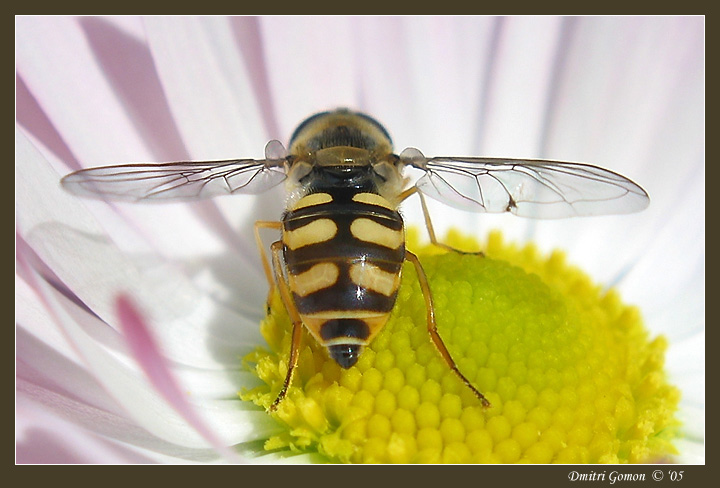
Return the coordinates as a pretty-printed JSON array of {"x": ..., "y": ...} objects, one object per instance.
[
  {"x": 175, "y": 181},
  {"x": 528, "y": 188},
  {"x": 185, "y": 180}
]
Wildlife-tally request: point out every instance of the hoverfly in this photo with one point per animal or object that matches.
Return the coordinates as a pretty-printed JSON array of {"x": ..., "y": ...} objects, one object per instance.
[{"x": 338, "y": 261}]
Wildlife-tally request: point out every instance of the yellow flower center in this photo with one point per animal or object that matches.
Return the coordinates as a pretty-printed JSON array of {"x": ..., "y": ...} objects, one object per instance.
[{"x": 569, "y": 369}]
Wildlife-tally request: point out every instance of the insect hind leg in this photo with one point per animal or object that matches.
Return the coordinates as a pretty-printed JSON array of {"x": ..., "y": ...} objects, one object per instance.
[
  {"x": 432, "y": 327},
  {"x": 297, "y": 324}
]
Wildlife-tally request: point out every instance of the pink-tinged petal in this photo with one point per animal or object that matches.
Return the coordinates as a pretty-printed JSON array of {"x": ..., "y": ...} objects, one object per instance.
[
  {"x": 519, "y": 81},
  {"x": 117, "y": 114},
  {"x": 207, "y": 86},
  {"x": 36, "y": 182},
  {"x": 77, "y": 98},
  {"x": 200, "y": 56},
  {"x": 35, "y": 324},
  {"x": 59, "y": 401},
  {"x": 629, "y": 97},
  {"x": 623, "y": 93},
  {"x": 129, "y": 24},
  {"x": 247, "y": 33},
  {"x": 387, "y": 80},
  {"x": 30, "y": 115},
  {"x": 403, "y": 76},
  {"x": 114, "y": 375},
  {"x": 423, "y": 79},
  {"x": 61, "y": 411},
  {"x": 146, "y": 352},
  {"x": 310, "y": 66},
  {"x": 140, "y": 399},
  {"x": 43, "y": 436},
  {"x": 195, "y": 330},
  {"x": 94, "y": 270}
]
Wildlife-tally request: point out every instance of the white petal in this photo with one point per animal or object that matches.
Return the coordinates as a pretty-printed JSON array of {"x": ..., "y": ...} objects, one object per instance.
[
  {"x": 52, "y": 411},
  {"x": 44, "y": 436},
  {"x": 289, "y": 457},
  {"x": 423, "y": 78},
  {"x": 77, "y": 98},
  {"x": 213, "y": 384},
  {"x": 691, "y": 446},
  {"x": 691, "y": 451},
  {"x": 518, "y": 84},
  {"x": 129, "y": 24},
  {"x": 628, "y": 94},
  {"x": 676, "y": 255},
  {"x": 210, "y": 94},
  {"x": 207, "y": 85},
  {"x": 686, "y": 362},
  {"x": 146, "y": 353},
  {"x": 405, "y": 62},
  {"x": 117, "y": 114},
  {"x": 95, "y": 270},
  {"x": 130, "y": 389},
  {"x": 194, "y": 330},
  {"x": 388, "y": 78},
  {"x": 310, "y": 66},
  {"x": 629, "y": 99},
  {"x": 35, "y": 331}
]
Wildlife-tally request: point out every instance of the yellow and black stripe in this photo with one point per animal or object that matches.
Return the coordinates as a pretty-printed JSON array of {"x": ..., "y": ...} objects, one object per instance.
[{"x": 343, "y": 249}]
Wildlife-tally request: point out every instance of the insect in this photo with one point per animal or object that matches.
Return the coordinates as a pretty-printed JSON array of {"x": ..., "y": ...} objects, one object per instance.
[{"x": 338, "y": 262}]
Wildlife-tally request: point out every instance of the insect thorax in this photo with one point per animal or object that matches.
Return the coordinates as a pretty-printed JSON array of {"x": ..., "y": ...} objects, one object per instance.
[{"x": 340, "y": 128}]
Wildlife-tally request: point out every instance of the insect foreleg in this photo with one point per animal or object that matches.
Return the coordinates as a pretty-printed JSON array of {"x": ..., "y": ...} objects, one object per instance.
[
  {"x": 266, "y": 224},
  {"x": 428, "y": 222},
  {"x": 276, "y": 249},
  {"x": 432, "y": 325}
]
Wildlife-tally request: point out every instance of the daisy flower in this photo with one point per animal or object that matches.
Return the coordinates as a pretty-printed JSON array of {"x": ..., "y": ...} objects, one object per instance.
[{"x": 133, "y": 320}]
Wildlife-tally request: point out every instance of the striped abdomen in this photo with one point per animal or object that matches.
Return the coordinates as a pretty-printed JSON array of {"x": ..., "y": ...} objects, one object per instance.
[{"x": 344, "y": 252}]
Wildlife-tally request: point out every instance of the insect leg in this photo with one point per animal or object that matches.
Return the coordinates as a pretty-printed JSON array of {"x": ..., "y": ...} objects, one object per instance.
[
  {"x": 266, "y": 224},
  {"x": 432, "y": 326},
  {"x": 428, "y": 222},
  {"x": 276, "y": 249}
]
